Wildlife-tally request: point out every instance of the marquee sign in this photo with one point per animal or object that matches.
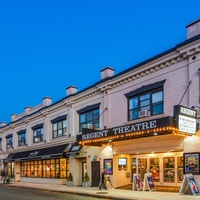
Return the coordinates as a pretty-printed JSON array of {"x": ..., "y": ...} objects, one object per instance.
[
  {"x": 91, "y": 134},
  {"x": 187, "y": 119}
]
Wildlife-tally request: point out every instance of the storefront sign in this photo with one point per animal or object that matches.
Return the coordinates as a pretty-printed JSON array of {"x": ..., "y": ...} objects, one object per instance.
[
  {"x": 186, "y": 119},
  {"x": 89, "y": 134},
  {"x": 33, "y": 154}
]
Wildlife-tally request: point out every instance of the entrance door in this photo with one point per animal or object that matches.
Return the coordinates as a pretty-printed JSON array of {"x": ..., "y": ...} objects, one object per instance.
[{"x": 95, "y": 173}]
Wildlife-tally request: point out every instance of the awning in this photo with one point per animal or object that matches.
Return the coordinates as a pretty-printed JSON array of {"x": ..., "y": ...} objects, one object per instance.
[
  {"x": 74, "y": 150},
  {"x": 50, "y": 152}
]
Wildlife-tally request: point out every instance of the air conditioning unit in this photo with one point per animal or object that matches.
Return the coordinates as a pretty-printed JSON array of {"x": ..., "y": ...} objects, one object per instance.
[
  {"x": 144, "y": 113},
  {"x": 88, "y": 126}
]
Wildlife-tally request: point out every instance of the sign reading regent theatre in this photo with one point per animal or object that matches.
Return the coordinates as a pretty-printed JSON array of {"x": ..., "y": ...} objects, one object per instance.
[{"x": 90, "y": 134}]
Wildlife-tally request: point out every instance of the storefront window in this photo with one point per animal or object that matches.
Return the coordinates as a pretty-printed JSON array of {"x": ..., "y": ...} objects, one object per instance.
[
  {"x": 168, "y": 165},
  {"x": 122, "y": 164},
  {"x": 52, "y": 168},
  {"x": 154, "y": 168}
]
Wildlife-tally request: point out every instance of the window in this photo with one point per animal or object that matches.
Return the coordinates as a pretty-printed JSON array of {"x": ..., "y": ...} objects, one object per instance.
[
  {"x": 51, "y": 168},
  {"x": 122, "y": 164},
  {"x": 37, "y": 135},
  {"x": 148, "y": 97},
  {"x": 59, "y": 126},
  {"x": 90, "y": 117},
  {"x": 22, "y": 139},
  {"x": 9, "y": 142},
  {"x": 0, "y": 144},
  {"x": 151, "y": 101}
]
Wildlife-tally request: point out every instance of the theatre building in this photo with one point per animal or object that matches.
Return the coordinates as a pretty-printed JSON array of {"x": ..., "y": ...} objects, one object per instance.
[{"x": 144, "y": 119}]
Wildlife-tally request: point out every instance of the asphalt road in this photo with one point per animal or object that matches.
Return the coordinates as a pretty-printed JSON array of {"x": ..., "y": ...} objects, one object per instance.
[{"x": 16, "y": 193}]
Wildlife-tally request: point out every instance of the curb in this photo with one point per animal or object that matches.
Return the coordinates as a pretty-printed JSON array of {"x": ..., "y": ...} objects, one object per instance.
[{"x": 99, "y": 194}]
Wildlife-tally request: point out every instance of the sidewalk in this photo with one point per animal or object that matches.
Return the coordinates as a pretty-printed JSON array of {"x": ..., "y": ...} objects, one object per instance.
[{"x": 112, "y": 194}]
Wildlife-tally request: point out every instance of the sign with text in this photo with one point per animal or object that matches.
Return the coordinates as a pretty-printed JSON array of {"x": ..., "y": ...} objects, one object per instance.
[
  {"x": 89, "y": 134},
  {"x": 187, "y": 119}
]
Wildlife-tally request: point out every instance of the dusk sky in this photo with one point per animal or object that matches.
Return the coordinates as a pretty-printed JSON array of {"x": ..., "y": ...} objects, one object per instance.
[{"x": 48, "y": 45}]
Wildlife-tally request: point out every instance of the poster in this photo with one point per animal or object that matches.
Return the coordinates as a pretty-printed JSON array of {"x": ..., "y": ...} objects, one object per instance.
[
  {"x": 191, "y": 161},
  {"x": 108, "y": 166},
  {"x": 138, "y": 182},
  {"x": 189, "y": 185},
  {"x": 150, "y": 182},
  {"x": 193, "y": 186}
]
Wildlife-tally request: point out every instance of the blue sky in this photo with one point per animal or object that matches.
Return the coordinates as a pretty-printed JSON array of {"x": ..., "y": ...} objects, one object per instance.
[{"x": 48, "y": 45}]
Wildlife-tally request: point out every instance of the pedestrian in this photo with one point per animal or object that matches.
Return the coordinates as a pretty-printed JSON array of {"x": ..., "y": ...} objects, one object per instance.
[
  {"x": 3, "y": 174},
  {"x": 102, "y": 180}
]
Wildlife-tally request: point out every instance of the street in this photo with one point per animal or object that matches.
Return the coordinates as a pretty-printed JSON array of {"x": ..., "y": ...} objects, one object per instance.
[{"x": 17, "y": 193}]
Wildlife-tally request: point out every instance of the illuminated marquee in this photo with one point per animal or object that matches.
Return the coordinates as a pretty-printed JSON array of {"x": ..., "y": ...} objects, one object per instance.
[{"x": 187, "y": 122}]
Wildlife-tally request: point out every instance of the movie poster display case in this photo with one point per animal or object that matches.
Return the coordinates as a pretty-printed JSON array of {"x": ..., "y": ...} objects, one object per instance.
[{"x": 191, "y": 163}]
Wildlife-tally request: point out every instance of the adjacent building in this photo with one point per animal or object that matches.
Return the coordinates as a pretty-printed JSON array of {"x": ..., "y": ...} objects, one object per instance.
[{"x": 144, "y": 119}]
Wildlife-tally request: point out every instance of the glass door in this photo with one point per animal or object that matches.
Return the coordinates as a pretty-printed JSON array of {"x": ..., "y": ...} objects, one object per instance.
[
  {"x": 154, "y": 168},
  {"x": 142, "y": 167},
  {"x": 169, "y": 169},
  {"x": 180, "y": 169}
]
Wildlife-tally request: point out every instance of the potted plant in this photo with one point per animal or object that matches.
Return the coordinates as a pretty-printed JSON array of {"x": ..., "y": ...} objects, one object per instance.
[
  {"x": 86, "y": 180},
  {"x": 69, "y": 180}
]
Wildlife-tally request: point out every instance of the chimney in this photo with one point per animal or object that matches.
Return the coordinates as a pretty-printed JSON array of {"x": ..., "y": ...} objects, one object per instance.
[
  {"x": 2, "y": 124},
  {"x": 107, "y": 72},
  {"x": 27, "y": 110},
  {"x": 71, "y": 90},
  {"x": 46, "y": 101},
  {"x": 193, "y": 29},
  {"x": 13, "y": 117}
]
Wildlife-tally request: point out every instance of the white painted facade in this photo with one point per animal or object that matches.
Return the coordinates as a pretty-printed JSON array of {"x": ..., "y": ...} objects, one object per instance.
[{"x": 179, "y": 66}]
